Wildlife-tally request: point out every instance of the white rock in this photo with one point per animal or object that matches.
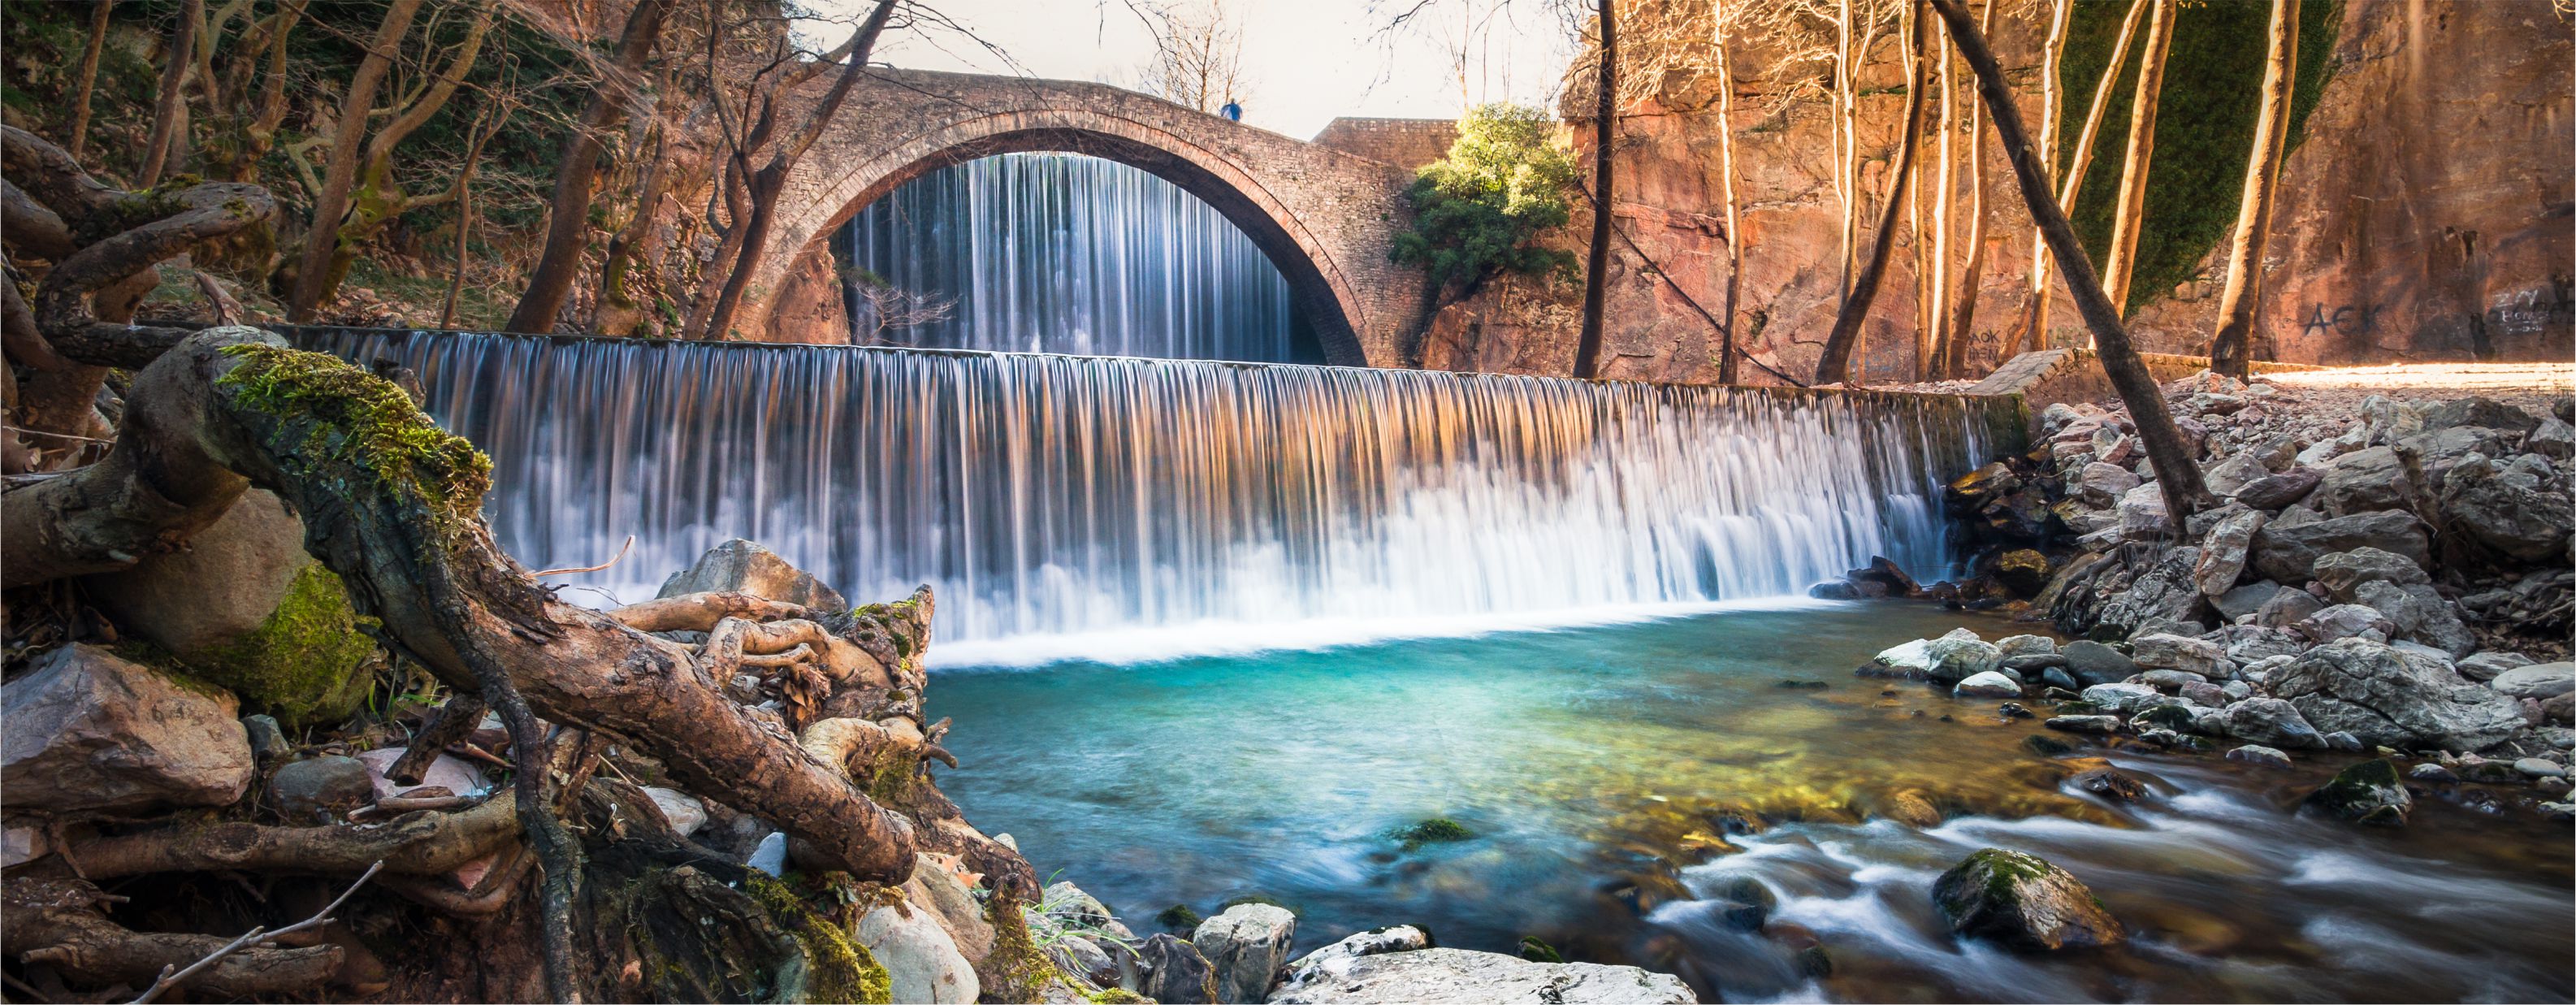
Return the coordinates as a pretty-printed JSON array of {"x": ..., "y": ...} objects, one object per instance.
[
  {"x": 1989, "y": 684},
  {"x": 684, "y": 811},
  {"x": 23, "y": 843},
  {"x": 2176, "y": 652},
  {"x": 921, "y": 961},
  {"x": 1246, "y": 946},
  {"x": 1334, "y": 962},
  {"x": 1460, "y": 975},
  {"x": 1915, "y": 655},
  {"x": 445, "y": 771},
  {"x": 771, "y": 856}
]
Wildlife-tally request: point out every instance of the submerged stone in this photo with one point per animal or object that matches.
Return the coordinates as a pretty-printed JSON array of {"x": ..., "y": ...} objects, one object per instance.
[
  {"x": 2367, "y": 793},
  {"x": 2023, "y": 902}
]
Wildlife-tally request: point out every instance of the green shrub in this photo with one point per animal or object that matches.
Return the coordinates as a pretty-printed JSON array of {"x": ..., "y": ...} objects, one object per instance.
[{"x": 1477, "y": 210}]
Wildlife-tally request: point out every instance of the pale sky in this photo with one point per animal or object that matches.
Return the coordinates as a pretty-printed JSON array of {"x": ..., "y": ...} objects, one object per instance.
[{"x": 1307, "y": 61}]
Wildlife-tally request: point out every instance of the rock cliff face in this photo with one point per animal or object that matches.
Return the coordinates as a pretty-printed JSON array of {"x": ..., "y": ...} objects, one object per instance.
[{"x": 2426, "y": 217}]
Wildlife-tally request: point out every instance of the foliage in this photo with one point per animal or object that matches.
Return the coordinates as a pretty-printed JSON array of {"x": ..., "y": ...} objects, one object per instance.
[
  {"x": 1477, "y": 210},
  {"x": 2205, "y": 115}
]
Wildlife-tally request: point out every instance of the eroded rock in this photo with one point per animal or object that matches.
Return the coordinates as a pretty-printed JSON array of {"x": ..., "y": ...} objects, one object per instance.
[
  {"x": 89, "y": 732},
  {"x": 2392, "y": 698},
  {"x": 1247, "y": 947}
]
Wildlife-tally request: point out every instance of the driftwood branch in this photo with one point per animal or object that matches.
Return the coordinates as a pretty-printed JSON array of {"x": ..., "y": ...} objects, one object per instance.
[{"x": 173, "y": 978}]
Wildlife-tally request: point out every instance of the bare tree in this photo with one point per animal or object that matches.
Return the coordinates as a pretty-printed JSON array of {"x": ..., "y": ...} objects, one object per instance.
[
  {"x": 2178, "y": 479},
  {"x": 2033, "y": 330},
  {"x": 331, "y": 200},
  {"x": 168, "y": 129},
  {"x": 88, "y": 74},
  {"x": 1719, "y": 23},
  {"x": 2130, "y": 216},
  {"x": 1198, "y": 54},
  {"x": 2237, "y": 300},
  {"x": 568, "y": 216},
  {"x": 1833, "y": 366}
]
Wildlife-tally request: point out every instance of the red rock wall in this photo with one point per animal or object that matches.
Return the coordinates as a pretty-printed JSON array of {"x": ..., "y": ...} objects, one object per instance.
[{"x": 2426, "y": 217}]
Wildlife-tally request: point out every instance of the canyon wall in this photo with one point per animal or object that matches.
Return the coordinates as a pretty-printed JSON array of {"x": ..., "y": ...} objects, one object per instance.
[{"x": 2426, "y": 216}]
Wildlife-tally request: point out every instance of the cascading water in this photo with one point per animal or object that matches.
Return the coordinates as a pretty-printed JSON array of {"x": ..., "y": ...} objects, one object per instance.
[
  {"x": 1062, "y": 253},
  {"x": 1055, "y": 494}
]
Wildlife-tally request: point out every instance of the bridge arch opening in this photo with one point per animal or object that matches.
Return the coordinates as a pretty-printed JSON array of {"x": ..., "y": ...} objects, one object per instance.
[
  {"x": 1326, "y": 309},
  {"x": 1065, "y": 253}
]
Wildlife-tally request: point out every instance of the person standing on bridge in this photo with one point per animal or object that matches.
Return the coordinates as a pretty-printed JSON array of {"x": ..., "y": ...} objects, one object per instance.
[{"x": 1233, "y": 112}]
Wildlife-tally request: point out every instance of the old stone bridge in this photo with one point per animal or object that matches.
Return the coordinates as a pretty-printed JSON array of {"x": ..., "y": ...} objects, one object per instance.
[{"x": 1324, "y": 216}]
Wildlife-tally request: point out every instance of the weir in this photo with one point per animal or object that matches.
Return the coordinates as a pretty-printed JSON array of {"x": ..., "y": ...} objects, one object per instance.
[{"x": 1048, "y": 494}]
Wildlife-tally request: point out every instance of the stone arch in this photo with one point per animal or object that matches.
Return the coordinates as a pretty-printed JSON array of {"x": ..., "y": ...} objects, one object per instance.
[{"x": 1321, "y": 217}]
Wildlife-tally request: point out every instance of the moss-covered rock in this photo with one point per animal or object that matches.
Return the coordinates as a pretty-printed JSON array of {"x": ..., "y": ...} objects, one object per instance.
[
  {"x": 1436, "y": 830},
  {"x": 2022, "y": 901},
  {"x": 839, "y": 969},
  {"x": 304, "y": 664},
  {"x": 2367, "y": 793}
]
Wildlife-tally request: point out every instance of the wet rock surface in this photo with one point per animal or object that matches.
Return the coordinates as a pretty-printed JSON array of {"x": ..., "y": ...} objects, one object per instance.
[{"x": 2023, "y": 902}]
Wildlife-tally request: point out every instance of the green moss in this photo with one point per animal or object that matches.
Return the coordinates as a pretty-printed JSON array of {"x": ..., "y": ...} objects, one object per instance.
[
  {"x": 843, "y": 970},
  {"x": 2006, "y": 870},
  {"x": 1179, "y": 918},
  {"x": 2205, "y": 125},
  {"x": 1015, "y": 971},
  {"x": 1536, "y": 950},
  {"x": 301, "y": 664},
  {"x": 1437, "y": 830},
  {"x": 347, "y": 415}
]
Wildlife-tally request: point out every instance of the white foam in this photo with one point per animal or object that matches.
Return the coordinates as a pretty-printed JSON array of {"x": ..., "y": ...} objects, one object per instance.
[{"x": 1234, "y": 638}]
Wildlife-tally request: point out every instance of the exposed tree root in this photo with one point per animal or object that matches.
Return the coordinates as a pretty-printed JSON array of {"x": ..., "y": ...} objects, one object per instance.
[
  {"x": 421, "y": 843},
  {"x": 59, "y": 915}
]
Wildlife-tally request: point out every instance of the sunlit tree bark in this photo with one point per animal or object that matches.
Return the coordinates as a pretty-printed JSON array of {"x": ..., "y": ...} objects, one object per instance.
[{"x": 2228, "y": 352}]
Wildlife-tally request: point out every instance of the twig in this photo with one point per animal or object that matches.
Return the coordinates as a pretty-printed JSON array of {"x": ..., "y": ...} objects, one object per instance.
[
  {"x": 57, "y": 436},
  {"x": 228, "y": 311},
  {"x": 170, "y": 979},
  {"x": 621, "y": 556}
]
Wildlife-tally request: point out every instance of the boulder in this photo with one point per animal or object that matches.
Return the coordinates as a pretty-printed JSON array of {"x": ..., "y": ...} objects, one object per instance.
[
  {"x": 2111, "y": 784},
  {"x": 2024, "y": 902},
  {"x": 2026, "y": 645},
  {"x": 2103, "y": 485},
  {"x": 2289, "y": 554},
  {"x": 2430, "y": 455},
  {"x": 744, "y": 566},
  {"x": 2485, "y": 666},
  {"x": 2230, "y": 476},
  {"x": 2539, "y": 682},
  {"x": 1459, "y": 975},
  {"x": 2287, "y": 608},
  {"x": 2480, "y": 411},
  {"x": 318, "y": 790},
  {"x": 2418, "y": 614},
  {"x": 1333, "y": 962},
  {"x": 1172, "y": 972},
  {"x": 2391, "y": 698},
  {"x": 2347, "y": 621},
  {"x": 2513, "y": 513},
  {"x": 2224, "y": 551},
  {"x": 89, "y": 732},
  {"x": 2142, "y": 514},
  {"x": 2553, "y": 439},
  {"x": 2094, "y": 663},
  {"x": 2170, "y": 681},
  {"x": 1988, "y": 684},
  {"x": 1246, "y": 946},
  {"x": 2270, "y": 722},
  {"x": 2365, "y": 481},
  {"x": 2175, "y": 652},
  {"x": 1959, "y": 659},
  {"x": 2369, "y": 793},
  {"x": 2259, "y": 755},
  {"x": 2247, "y": 644},
  {"x": 2272, "y": 492},
  {"x": 2165, "y": 593},
  {"x": 937, "y": 884},
  {"x": 2122, "y": 697},
  {"x": 2343, "y": 571},
  {"x": 2023, "y": 571},
  {"x": 919, "y": 958}
]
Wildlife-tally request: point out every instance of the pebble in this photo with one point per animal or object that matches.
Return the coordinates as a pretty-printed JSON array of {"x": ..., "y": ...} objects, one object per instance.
[
  {"x": 2085, "y": 723},
  {"x": 2432, "y": 774}
]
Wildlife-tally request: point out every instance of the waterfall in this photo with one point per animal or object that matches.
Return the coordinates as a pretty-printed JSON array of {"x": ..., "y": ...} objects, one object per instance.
[
  {"x": 1063, "y": 253},
  {"x": 1057, "y": 494}
]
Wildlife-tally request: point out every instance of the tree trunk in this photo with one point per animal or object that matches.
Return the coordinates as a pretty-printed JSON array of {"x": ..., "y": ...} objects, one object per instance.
[
  {"x": 2131, "y": 213},
  {"x": 1726, "y": 172},
  {"x": 2228, "y": 352},
  {"x": 1596, "y": 262},
  {"x": 261, "y": 133},
  {"x": 2034, "y": 311},
  {"x": 165, "y": 108},
  {"x": 2177, "y": 477},
  {"x": 1964, "y": 308},
  {"x": 322, "y": 238},
  {"x": 1927, "y": 339},
  {"x": 1834, "y": 366},
  {"x": 88, "y": 76},
  {"x": 772, "y": 180},
  {"x": 1846, "y": 146},
  {"x": 568, "y": 217}
]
